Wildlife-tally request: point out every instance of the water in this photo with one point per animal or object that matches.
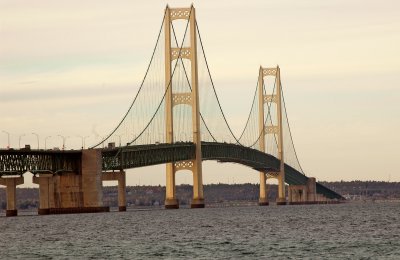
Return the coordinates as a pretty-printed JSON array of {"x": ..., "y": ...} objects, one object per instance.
[{"x": 345, "y": 231}]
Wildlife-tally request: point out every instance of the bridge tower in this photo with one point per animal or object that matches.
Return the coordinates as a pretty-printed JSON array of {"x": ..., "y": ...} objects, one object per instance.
[
  {"x": 190, "y": 98},
  {"x": 274, "y": 129}
]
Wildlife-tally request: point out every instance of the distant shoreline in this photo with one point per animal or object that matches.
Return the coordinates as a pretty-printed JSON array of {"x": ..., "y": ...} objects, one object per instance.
[{"x": 218, "y": 195}]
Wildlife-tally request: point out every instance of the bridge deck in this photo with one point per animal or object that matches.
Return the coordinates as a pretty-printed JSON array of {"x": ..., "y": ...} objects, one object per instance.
[
  {"x": 14, "y": 162},
  {"x": 144, "y": 155}
]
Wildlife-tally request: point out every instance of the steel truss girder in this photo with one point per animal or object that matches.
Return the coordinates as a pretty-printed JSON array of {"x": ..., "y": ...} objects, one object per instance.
[{"x": 17, "y": 162}]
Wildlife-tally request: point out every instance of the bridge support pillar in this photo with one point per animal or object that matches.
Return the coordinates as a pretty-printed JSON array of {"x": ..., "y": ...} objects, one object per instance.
[
  {"x": 46, "y": 192},
  {"x": 311, "y": 190},
  {"x": 91, "y": 178},
  {"x": 76, "y": 192},
  {"x": 263, "y": 200},
  {"x": 122, "y": 192},
  {"x": 198, "y": 197},
  {"x": 170, "y": 191},
  {"x": 68, "y": 191},
  {"x": 297, "y": 194},
  {"x": 121, "y": 178},
  {"x": 11, "y": 190},
  {"x": 171, "y": 204},
  {"x": 281, "y": 200},
  {"x": 321, "y": 199}
]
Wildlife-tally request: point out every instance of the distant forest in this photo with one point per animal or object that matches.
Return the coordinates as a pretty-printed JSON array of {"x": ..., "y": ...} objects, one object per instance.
[{"x": 28, "y": 198}]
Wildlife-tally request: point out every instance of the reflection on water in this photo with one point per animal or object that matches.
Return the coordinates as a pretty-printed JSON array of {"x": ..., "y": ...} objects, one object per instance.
[{"x": 351, "y": 231}]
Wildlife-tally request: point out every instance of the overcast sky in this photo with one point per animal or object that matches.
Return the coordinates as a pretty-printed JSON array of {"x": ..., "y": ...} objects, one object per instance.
[{"x": 73, "y": 67}]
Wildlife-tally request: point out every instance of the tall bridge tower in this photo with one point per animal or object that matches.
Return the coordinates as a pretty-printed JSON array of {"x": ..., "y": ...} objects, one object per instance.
[
  {"x": 189, "y": 98},
  {"x": 273, "y": 129}
]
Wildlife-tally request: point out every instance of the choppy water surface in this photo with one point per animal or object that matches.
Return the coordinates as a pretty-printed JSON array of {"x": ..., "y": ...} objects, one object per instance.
[{"x": 352, "y": 231}]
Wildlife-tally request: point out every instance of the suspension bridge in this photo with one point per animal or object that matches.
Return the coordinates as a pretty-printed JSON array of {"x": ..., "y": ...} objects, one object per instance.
[{"x": 175, "y": 119}]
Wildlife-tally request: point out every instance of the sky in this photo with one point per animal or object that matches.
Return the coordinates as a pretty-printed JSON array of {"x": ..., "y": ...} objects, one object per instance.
[{"x": 73, "y": 67}]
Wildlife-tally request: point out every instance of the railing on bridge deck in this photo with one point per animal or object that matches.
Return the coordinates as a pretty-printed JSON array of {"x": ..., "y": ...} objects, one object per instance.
[
  {"x": 17, "y": 162},
  {"x": 146, "y": 155}
]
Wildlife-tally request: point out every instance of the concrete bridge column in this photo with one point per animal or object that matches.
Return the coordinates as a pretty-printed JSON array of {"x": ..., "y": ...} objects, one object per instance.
[
  {"x": 303, "y": 194},
  {"x": 121, "y": 178},
  {"x": 290, "y": 199},
  {"x": 11, "y": 190},
  {"x": 263, "y": 200},
  {"x": 68, "y": 193},
  {"x": 122, "y": 191},
  {"x": 311, "y": 190},
  {"x": 46, "y": 192},
  {"x": 297, "y": 194},
  {"x": 292, "y": 195},
  {"x": 321, "y": 199},
  {"x": 91, "y": 178}
]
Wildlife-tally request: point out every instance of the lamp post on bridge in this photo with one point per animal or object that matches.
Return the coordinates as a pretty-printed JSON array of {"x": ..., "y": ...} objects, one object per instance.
[
  {"x": 45, "y": 141},
  {"x": 104, "y": 140},
  {"x": 84, "y": 139},
  {"x": 183, "y": 137},
  {"x": 64, "y": 138},
  {"x": 8, "y": 138},
  {"x": 19, "y": 140},
  {"x": 37, "y": 137},
  {"x": 119, "y": 136}
]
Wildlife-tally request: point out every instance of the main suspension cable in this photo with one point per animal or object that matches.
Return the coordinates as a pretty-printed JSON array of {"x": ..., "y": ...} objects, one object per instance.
[
  {"x": 140, "y": 88},
  {"x": 290, "y": 132}
]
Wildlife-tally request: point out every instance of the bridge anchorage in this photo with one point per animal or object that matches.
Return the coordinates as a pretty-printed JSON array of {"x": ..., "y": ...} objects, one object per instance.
[{"x": 157, "y": 130}]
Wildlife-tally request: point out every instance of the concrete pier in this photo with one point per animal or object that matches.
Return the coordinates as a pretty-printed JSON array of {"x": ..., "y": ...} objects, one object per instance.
[
  {"x": 297, "y": 194},
  {"x": 197, "y": 204},
  {"x": 303, "y": 194},
  {"x": 11, "y": 193},
  {"x": 307, "y": 194},
  {"x": 171, "y": 204},
  {"x": 68, "y": 191},
  {"x": 46, "y": 192},
  {"x": 321, "y": 199},
  {"x": 92, "y": 187},
  {"x": 281, "y": 201},
  {"x": 263, "y": 202},
  {"x": 121, "y": 178},
  {"x": 74, "y": 192},
  {"x": 311, "y": 189}
]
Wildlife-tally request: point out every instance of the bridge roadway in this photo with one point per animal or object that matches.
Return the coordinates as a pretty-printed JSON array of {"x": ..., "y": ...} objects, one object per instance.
[{"x": 17, "y": 162}]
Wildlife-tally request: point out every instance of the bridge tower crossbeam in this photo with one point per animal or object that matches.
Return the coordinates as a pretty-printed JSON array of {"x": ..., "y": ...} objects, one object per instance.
[{"x": 191, "y": 99}]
